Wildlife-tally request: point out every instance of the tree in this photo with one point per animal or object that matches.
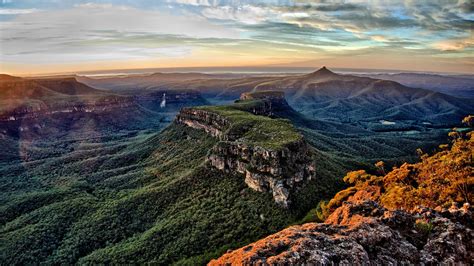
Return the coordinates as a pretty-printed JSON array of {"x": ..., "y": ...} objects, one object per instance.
[{"x": 381, "y": 167}]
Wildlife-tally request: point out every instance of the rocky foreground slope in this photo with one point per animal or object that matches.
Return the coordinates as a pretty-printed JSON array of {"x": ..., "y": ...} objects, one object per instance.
[
  {"x": 270, "y": 153},
  {"x": 364, "y": 232}
]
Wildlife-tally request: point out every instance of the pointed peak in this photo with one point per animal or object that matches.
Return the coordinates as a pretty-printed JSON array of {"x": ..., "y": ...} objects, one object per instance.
[{"x": 323, "y": 71}]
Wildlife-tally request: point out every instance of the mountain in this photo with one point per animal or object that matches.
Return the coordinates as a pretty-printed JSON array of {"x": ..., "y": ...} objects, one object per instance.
[
  {"x": 333, "y": 96},
  {"x": 398, "y": 217},
  {"x": 146, "y": 81},
  {"x": 68, "y": 86},
  {"x": 54, "y": 104},
  {"x": 322, "y": 94},
  {"x": 215, "y": 178},
  {"x": 17, "y": 88},
  {"x": 455, "y": 85},
  {"x": 50, "y": 93},
  {"x": 167, "y": 180}
]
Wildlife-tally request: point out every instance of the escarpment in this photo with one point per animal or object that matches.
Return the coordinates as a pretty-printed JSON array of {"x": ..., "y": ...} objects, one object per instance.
[
  {"x": 213, "y": 123},
  {"x": 276, "y": 171},
  {"x": 270, "y": 153}
]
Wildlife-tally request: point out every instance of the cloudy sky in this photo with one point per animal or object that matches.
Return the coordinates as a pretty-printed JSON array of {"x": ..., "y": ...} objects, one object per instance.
[{"x": 40, "y": 36}]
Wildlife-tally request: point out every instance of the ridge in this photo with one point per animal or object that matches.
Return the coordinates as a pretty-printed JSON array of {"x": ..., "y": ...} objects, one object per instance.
[{"x": 271, "y": 154}]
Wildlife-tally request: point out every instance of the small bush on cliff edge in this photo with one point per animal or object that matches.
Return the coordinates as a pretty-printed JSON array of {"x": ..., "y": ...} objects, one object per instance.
[{"x": 437, "y": 180}]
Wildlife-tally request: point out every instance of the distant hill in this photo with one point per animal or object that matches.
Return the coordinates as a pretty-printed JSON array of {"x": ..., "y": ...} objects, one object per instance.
[
  {"x": 330, "y": 95},
  {"x": 455, "y": 85},
  {"x": 68, "y": 86},
  {"x": 322, "y": 94},
  {"x": 17, "y": 88},
  {"x": 35, "y": 108},
  {"x": 21, "y": 88}
]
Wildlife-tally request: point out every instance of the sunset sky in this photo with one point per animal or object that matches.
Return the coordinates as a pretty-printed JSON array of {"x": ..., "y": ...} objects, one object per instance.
[{"x": 50, "y": 36}]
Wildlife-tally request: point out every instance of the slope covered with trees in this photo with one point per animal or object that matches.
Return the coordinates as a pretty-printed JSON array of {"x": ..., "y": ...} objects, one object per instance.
[
  {"x": 438, "y": 180},
  {"x": 153, "y": 199}
]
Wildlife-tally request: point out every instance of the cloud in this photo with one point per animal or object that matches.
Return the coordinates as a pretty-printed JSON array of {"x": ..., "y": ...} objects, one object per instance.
[
  {"x": 454, "y": 45},
  {"x": 43, "y": 31},
  {"x": 245, "y": 14},
  {"x": 380, "y": 38},
  {"x": 17, "y": 11},
  {"x": 308, "y": 6},
  {"x": 92, "y": 31}
]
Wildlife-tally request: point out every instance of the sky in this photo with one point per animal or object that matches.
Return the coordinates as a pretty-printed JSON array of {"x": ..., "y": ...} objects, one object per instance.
[{"x": 54, "y": 36}]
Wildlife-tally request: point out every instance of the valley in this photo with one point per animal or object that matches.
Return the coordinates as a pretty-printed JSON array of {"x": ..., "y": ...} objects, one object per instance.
[
  {"x": 179, "y": 168},
  {"x": 236, "y": 132}
]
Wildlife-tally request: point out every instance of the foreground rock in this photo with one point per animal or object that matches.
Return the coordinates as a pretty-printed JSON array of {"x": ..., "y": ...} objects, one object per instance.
[{"x": 361, "y": 232}]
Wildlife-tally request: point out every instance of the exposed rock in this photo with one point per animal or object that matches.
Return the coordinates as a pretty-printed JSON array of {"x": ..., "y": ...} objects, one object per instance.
[
  {"x": 280, "y": 171},
  {"x": 112, "y": 103},
  {"x": 362, "y": 232},
  {"x": 269, "y": 102},
  {"x": 277, "y": 171},
  {"x": 26, "y": 99},
  {"x": 214, "y": 124}
]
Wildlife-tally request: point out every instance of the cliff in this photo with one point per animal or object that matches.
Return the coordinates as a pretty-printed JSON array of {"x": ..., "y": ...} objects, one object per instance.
[
  {"x": 267, "y": 103},
  {"x": 32, "y": 98},
  {"x": 270, "y": 153},
  {"x": 24, "y": 110}
]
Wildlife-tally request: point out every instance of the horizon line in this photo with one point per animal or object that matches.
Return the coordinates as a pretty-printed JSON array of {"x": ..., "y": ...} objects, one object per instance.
[{"x": 228, "y": 69}]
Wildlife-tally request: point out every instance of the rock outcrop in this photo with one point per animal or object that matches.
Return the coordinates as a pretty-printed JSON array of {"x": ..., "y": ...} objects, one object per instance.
[
  {"x": 363, "y": 232},
  {"x": 280, "y": 169},
  {"x": 103, "y": 106},
  {"x": 267, "y": 103},
  {"x": 275, "y": 171},
  {"x": 213, "y": 123},
  {"x": 29, "y": 99}
]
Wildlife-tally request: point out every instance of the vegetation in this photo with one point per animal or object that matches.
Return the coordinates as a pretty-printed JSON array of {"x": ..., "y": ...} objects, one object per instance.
[
  {"x": 437, "y": 180},
  {"x": 149, "y": 200},
  {"x": 83, "y": 192},
  {"x": 424, "y": 226},
  {"x": 257, "y": 130}
]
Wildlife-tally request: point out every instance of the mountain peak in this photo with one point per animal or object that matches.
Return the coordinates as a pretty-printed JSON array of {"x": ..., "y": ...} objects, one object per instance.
[{"x": 323, "y": 72}]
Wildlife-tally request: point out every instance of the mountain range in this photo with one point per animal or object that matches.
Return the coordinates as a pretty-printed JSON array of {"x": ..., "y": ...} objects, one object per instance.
[
  {"x": 321, "y": 94},
  {"x": 179, "y": 168}
]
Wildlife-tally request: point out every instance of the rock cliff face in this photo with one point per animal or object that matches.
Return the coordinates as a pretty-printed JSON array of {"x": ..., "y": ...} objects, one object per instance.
[
  {"x": 268, "y": 103},
  {"x": 363, "y": 232},
  {"x": 214, "y": 124},
  {"x": 42, "y": 109},
  {"x": 24, "y": 98},
  {"x": 278, "y": 172},
  {"x": 280, "y": 169}
]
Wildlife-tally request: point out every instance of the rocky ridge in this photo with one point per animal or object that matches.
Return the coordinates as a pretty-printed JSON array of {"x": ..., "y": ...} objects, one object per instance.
[
  {"x": 275, "y": 161},
  {"x": 32, "y": 98},
  {"x": 41, "y": 109},
  {"x": 363, "y": 232}
]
